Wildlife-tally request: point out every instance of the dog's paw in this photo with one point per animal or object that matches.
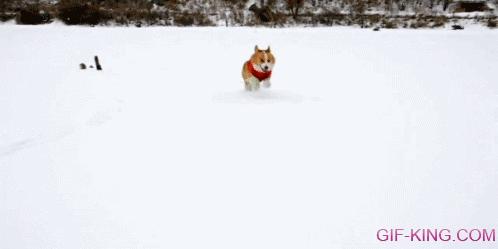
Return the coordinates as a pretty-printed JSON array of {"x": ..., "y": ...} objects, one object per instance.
[{"x": 267, "y": 84}]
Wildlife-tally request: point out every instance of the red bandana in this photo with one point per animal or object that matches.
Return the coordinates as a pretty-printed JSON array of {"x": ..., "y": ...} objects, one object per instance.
[{"x": 260, "y": 75}]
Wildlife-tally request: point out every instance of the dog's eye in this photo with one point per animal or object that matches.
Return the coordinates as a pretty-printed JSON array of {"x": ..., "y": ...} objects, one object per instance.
[
  {"x": 262, "y": 60},
  {"x": 268, "y": 60}
]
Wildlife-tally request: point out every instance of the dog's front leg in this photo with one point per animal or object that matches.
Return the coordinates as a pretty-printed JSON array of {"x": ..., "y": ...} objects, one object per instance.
[
  {"x": 267, "y": 83},
  {"x": 252, "y": 84}
]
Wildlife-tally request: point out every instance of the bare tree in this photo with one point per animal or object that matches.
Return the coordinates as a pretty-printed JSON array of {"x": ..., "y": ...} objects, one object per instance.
[
  {"x": 446, "y": 3},
  {"x": 294, "y": 6},
  {"x": 357, "y": 7},
  {"x": 264, "y": 14},
  {"x": 5, "y": 5}
]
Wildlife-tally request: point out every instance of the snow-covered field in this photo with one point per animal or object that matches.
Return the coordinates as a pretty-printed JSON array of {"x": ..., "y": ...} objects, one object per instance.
[{"x": 361, "y": 130}]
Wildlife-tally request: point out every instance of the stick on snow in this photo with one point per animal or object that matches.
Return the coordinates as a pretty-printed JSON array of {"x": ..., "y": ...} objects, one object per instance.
[{"x": 97, "y": 63}]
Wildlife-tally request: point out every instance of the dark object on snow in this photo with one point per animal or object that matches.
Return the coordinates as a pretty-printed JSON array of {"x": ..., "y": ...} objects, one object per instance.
[
  {"x": 376, "y": 29},
  {"x": 91, "y": 66},
  {"x": 97, "y": 63},
  {"x": 470, "y": 6},
  {"x": 492, "y": 23},
  {"x": 32, "y": 15},
  {"x": 81, "y": 12},
  {"x": 457, "y": 27},
  {"x": 263, "y": 14},
  {"x": 82, "y": 66}
]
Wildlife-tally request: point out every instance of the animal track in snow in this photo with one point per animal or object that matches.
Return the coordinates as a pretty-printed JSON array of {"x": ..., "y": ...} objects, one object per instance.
[{"x": 16, "y": 146}]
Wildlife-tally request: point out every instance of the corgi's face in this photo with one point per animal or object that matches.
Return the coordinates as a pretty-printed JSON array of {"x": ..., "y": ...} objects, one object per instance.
[{"x": 263, "y": 60}]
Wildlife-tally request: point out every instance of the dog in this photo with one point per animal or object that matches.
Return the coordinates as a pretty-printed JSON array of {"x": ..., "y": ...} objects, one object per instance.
[{"x": 257, "y": 70}]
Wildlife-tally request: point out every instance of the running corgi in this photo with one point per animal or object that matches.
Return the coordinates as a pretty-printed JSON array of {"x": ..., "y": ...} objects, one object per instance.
[{"x": 258, "y": 69}]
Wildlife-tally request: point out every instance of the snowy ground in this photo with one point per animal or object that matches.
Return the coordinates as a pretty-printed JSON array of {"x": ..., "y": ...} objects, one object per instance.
[{"x": 362, "y": 130}]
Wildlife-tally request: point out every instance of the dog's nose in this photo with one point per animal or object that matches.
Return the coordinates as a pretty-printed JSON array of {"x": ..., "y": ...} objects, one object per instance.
[{"x": 266, "y": 67}]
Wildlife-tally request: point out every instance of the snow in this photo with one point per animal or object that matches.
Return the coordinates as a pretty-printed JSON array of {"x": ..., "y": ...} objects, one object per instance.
[{"x": 361, "y": 130}]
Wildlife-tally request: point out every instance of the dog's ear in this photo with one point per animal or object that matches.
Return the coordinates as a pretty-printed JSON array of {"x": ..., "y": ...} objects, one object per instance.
[
  {"x": 256, "y": 49},
  {"x": 268, "y": 50}
]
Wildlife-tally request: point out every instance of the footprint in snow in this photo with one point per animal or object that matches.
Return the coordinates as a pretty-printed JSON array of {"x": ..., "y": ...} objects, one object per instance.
[{"x": 16, "y": 146}]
